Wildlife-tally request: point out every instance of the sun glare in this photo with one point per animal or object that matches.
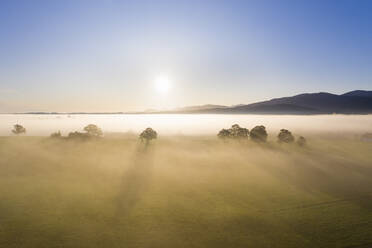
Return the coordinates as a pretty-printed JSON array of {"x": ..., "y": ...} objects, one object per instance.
[{"x": 162, "y": 84}]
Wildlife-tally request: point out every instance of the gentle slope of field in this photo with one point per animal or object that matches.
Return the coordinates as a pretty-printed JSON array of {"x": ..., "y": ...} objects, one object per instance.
[{"x": 185, "y": 192}]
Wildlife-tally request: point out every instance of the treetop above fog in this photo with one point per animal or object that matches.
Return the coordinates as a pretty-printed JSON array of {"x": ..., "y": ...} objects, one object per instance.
[
  {"x": 18, "y": 129},
  {"x": 235, "y": 132},
  {"x": 148, "y": 134},
  {"x": 93, "y": 130},
  {"x": 285, "y": 136},
  {"x": 258, "y": 134}
]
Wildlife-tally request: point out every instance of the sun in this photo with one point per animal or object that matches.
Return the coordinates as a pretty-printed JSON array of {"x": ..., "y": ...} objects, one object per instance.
[{"x": 162, "y": 84}]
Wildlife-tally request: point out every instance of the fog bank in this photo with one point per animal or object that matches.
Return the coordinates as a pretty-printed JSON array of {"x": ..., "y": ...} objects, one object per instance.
[{"x": 189, "y": 124}]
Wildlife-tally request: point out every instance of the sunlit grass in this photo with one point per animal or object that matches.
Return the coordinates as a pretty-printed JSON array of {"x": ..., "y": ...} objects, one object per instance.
[{"x": 184, "y": 192}]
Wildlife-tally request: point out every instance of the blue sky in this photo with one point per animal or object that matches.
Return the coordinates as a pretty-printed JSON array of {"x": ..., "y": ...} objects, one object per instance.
[{"x": 106, "y": 55}]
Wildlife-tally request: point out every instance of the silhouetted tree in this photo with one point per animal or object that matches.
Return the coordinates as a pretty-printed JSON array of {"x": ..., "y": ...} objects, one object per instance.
[
  {"x": 93, "y": 130},
  {"x": 18, "y": 129},
  {"x": 56, "y": 135},
  {"x": 301, "y": 141},
  {"x": 285, "y": 136},
  {"x": 235, "y": 132},
  {"x": 148, "y": 134},
  {"x": 258, "y": 134},
  {"x": 224, "y": 134},
  {"x": 238, "y": 132}
]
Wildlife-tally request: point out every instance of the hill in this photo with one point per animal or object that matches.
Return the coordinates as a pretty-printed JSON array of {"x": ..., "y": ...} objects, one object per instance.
[{"x": 354, "y": 102}]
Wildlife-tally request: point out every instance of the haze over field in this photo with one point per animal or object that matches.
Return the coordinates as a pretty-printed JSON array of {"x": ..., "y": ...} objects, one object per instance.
[
  {"x": 185, "y": 192},
  {"x": 185, "y": 124},
  {"x": 188, "y": 124}
]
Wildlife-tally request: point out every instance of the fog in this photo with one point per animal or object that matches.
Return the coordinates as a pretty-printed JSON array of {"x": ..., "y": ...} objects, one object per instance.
[
  {"x": 183, "y": 191},
  {"x": 190, "y": 124},
  {"x": 187, "y": 188}
]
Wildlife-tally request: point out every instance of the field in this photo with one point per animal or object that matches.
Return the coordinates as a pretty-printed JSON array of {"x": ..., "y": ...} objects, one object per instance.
[{"x": 185, "y": 191}]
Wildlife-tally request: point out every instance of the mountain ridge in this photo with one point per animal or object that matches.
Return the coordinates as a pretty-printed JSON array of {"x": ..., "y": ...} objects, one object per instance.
[{"x": 352, "y": 102}]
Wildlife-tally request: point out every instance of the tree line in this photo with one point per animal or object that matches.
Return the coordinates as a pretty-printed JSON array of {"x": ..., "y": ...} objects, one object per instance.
[
  {"x": 90, "y": 131},
  {"x": 256, "y": 134}
]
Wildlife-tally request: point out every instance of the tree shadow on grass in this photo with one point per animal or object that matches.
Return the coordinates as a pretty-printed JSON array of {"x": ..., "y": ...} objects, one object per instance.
[
  {"x": 135, "y": 180},
  {"x": 341, "y": 178}
]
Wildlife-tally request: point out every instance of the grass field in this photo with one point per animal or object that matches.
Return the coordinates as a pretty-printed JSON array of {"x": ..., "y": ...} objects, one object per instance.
[{"x": 185, "y": 192}]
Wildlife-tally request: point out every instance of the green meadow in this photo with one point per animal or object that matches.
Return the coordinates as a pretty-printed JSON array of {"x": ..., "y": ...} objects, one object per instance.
[{"x": 185, "y": 191}]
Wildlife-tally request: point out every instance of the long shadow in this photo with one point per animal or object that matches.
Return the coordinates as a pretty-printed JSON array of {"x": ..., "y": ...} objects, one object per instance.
[
  {"x": 345, "y": 180},
  {"x": 135, "y": 181}
]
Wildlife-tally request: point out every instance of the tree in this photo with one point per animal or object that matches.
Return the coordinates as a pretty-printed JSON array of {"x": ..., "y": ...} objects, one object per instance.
[
  {"x": 18, "y": 129},
  {"x": 56, "y": 135},
  {"x": 258, "y": 134},
  {"x": 285, "y": 136},
  {"x": 93, "y": 130},
  {"x": 235, "y": 132},
  {"x": 238, "y": 132},
  {"x": 148, "y": 134},
  {"x": 301, "y": 141},
  {"x": 224, "y": 134}
]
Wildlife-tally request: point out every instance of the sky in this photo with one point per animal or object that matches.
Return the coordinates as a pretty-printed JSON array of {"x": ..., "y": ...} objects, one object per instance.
[{"x": 110, "y": 55}]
